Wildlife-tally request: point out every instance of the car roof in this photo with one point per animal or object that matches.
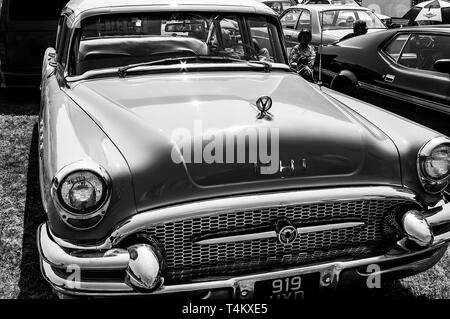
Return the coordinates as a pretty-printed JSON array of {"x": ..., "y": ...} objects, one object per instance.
[
  {"x": 429, "y": 28},
  {"x": 77, "y": 7},
  {"x": 325, "y": 7},
  {"x": 376, "y": 38}
]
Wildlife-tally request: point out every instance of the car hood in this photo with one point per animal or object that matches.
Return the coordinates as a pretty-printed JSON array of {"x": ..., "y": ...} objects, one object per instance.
[{"x": 150, "y": 119}]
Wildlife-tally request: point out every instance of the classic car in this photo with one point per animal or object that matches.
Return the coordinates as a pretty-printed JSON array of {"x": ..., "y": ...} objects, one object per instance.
[
  {"x": 327, "y": 23},
  {"x": 407, "y": 64},
  {"x": 384, "y": 18},
  {"x": 27, "y": 28},
  {"x": 176, "y": 165}
]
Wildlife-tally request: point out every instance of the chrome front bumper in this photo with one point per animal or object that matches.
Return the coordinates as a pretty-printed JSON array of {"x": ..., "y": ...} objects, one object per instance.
[
  {"x": 104, "y": 269},
  {"x": 392, "y": 265}
]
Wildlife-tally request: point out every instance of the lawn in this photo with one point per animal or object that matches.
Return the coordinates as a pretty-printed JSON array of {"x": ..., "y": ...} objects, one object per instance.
[{"x": 21, "y": 213}]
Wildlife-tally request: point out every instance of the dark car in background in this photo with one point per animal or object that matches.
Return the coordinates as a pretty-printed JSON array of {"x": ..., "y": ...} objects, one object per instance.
[
  {"x": 27, "y": 28},
  {"x": 409, "y": 64}
]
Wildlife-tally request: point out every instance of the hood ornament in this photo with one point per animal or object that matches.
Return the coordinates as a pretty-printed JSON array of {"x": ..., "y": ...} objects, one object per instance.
[{"x": 264, "y": 104}]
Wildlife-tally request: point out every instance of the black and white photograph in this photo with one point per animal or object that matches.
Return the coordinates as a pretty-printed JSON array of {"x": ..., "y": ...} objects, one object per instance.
[{"x": 240, "y": 152}]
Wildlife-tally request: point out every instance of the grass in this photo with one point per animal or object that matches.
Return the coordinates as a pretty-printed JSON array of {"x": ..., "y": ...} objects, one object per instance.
[
  {"x": 20, "y": 206},
  {"x": 21, "y": 213}
]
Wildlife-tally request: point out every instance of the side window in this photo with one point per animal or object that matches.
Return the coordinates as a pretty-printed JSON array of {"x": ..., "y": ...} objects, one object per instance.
[
  {"x": 423, "y": 50},
  {"x": 61, "y": 23},
  {"x": 230, "y": 32},
  {"x": 394, "y": 48},
  {"x": 261, "y": 38},
  {"x": 62, "y": 41},
  {"x": 305, "y": 21},
  {"x": 289, "y": 19}
]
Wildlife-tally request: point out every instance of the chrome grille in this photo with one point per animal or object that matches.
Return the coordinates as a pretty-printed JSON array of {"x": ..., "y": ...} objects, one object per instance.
[{"x": 186, "y": 260}]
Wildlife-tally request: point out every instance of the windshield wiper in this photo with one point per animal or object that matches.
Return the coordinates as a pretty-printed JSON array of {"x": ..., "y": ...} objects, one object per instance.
[
  {"x": 122, "y": 71},
  {"x": 267, "y": 65}
]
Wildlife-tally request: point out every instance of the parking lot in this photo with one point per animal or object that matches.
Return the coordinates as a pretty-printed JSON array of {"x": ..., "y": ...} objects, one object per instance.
[{"x": 21, "y": 210}]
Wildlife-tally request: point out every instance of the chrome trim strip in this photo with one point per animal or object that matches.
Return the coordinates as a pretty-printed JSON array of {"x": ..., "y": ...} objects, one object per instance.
[
  {"x": 273, "y": 234},
  {"x": 406, "y": 98},
  {"x": 219, "y": 206}
]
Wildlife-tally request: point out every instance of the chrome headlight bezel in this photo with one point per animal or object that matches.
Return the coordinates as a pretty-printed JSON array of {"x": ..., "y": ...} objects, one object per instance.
[
  {"x": 430, "y": 184},
  {"x": 71, "y": 216}
]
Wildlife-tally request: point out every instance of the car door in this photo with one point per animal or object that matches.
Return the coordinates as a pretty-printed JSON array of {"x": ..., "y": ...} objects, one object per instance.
[{"x": 410, "y": 73}]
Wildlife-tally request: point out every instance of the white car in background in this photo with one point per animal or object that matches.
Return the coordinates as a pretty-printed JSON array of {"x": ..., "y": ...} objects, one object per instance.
[
  {"x": 337, "y": 22},
  {"x": 387, "y": 20}
]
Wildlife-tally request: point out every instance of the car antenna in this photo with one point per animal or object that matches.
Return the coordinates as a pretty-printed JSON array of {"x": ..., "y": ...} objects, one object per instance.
[{"x": 320, "y": 83}]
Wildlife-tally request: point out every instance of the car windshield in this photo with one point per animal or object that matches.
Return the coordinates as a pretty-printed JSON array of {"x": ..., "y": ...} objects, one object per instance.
[
  {"x": 344, "y": 19},
  {"x": 338, "y": 2},
  {"x": 345, "y": 2},
  {"x": 278, "y": 6},
  {"x": 109, "y": 41}
]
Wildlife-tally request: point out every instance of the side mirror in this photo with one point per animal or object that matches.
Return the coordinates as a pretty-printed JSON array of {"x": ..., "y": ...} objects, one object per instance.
[
  {"x": 442, "y": 65},
  {"x": 294, "y": 67}
]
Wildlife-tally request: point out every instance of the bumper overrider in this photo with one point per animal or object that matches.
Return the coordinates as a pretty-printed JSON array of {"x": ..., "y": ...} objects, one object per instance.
[{"x": 138, "y": 269}]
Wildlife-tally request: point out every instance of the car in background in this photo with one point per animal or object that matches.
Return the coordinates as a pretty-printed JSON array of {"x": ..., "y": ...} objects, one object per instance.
[
  {"x": 384, "y": 18},
  {"x": 409, "y": 64},
  {"x": 337, "y": 22},
  {"x": 27, "y": 28},
  {"x": 279, "y": 5}
]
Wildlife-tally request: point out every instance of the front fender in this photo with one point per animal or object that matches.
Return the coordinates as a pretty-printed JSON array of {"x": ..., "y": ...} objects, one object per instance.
[
  {"x": 408, "y": 136},
  {"x": 344, "y": 75},
  {"x": 69, "y": 135}
]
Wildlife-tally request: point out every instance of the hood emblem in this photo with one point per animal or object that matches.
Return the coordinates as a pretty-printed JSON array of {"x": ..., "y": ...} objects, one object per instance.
[
  {"x": 264, "y": 104},
  {"x": 286, "y": 232}
]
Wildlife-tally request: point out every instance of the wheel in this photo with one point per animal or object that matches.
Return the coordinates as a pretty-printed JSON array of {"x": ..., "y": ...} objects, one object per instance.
[{"x": 349, "y": 89}]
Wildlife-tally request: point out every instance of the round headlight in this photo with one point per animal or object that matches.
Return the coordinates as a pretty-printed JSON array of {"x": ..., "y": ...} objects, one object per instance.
[
  {"x": 82, "y": 192},
  {"x": 437, "y": 165},
  {"x": 434, "y": 165}
]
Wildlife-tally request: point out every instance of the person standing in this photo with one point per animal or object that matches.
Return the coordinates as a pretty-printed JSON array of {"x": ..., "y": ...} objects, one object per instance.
[{"x": 303, "y": 55}]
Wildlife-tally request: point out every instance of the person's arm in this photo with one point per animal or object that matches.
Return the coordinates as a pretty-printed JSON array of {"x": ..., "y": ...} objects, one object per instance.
[
  {"x": 312, "y": 57},
  {"x": 294, "y": 56}
]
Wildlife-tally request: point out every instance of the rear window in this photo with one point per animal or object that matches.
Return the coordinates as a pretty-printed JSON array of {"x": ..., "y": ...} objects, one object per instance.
[{"x": 23, "y": 10}]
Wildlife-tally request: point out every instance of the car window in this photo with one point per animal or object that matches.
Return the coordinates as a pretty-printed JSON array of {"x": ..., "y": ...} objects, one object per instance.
[
  {"x": 345, "y": 18},
  {"x": 22, "y": 10},
  {"x": 62, "y": 41},
  {"x": 122, "y": 39},
  {"x": 395, "y": 47},
  {"x": 290, "y": 18},
  {"x": 278, "y": 6},
  {"x": 305, "y": 21},
  {"x": 336, "y": 2},
  {"x": 423, "y": 50},
  {"x": 260, "y": 32}
]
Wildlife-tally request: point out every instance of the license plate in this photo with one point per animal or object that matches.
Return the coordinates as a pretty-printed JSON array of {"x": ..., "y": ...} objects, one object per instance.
[{"x": 290, "y": 288}]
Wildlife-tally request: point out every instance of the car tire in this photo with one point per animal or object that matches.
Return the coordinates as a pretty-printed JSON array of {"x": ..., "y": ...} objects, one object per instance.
[{"x": 349, "y": 89}]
